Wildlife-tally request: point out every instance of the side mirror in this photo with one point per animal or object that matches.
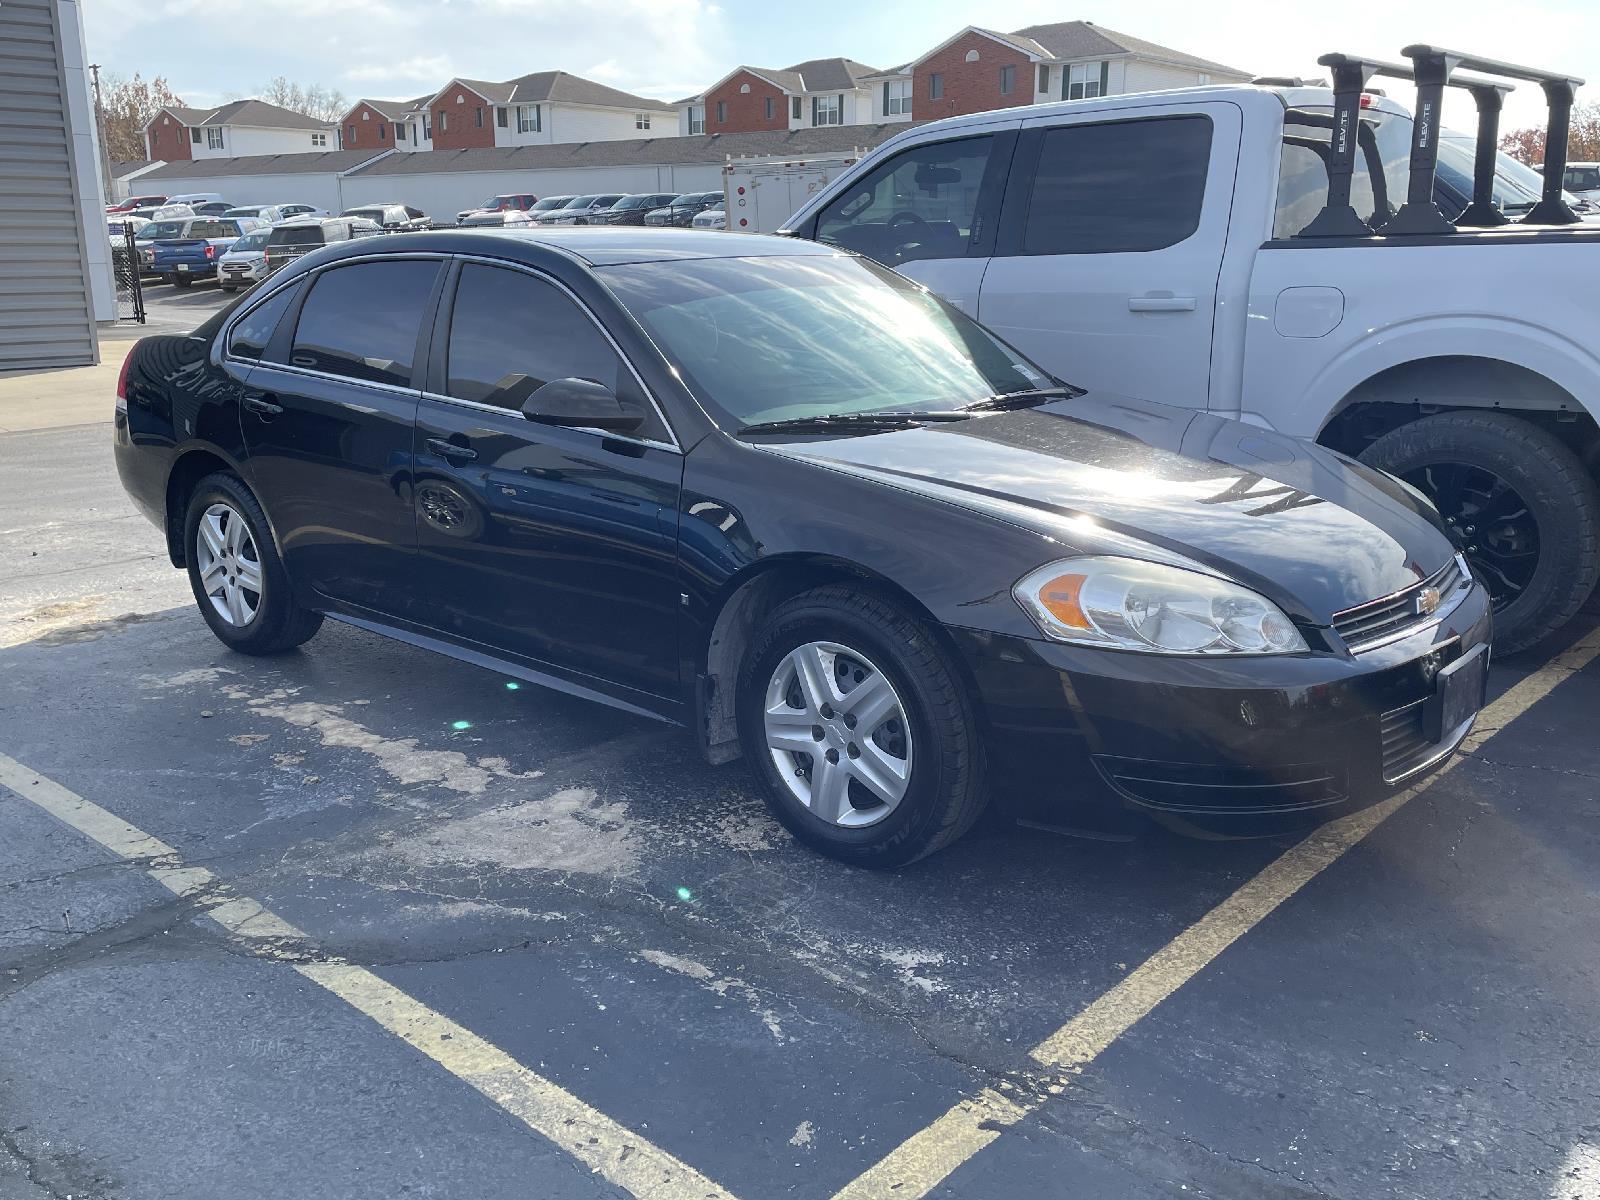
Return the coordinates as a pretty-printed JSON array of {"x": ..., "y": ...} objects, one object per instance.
[{"x": 580, "y": 404}]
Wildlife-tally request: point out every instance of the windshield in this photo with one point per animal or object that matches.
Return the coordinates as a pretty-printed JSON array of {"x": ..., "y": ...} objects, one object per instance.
[
  {"x": 766, "y": 339},
  {"x": 550, "y": 202},
  {"x": 372, "y": 214},
  {"x": 250, "y": 241},
  {"x": 1582, "y": 179},
  {"x": 582, "y": 201},
  {"x": 635, "y": 201}
]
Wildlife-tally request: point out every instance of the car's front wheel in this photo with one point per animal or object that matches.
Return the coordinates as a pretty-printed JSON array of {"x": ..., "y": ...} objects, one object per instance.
[
  {"x": 859, "y": 729},
  {"x": 238, "y": 580}
]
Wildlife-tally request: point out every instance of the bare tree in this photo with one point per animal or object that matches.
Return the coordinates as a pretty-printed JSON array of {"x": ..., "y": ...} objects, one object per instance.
[
  {"x": 1583, "y": 138},
  {"x": 128, "y": 105},
  {"x": 315, "y": 101}
]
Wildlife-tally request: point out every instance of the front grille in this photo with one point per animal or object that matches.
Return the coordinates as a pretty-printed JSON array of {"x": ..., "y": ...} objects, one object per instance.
[
  {"x": 1195, "y": 787},
  {"x": 1405, "y": 742},
  {"x": 1378, "y": 621}
]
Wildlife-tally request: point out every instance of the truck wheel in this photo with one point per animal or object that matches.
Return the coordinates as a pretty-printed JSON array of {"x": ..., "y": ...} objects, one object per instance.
[
  {"x": 182, "y": 281},
  {"x": 1519, "y": 503}
]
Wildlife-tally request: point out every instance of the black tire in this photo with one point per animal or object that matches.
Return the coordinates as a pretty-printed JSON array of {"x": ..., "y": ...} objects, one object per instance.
[
  {"x": 945, "y": 793},
  {"x": 279, "y": 623},
  {"x": 182, "y": 281},
  {"x": 1559, "y": 495}
]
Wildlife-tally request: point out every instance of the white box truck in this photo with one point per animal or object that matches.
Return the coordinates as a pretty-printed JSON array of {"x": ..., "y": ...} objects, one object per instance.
[{"x": 761, "y": 193}]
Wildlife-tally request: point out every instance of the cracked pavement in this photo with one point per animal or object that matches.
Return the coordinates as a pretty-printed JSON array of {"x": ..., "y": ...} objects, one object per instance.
[{"x": 1421, "y": 1021}]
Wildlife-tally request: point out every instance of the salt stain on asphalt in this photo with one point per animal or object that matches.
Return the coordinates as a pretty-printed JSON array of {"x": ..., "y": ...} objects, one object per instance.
[
  {"x": 721, "y": 986},
  {"x": 570, "y": 830}
]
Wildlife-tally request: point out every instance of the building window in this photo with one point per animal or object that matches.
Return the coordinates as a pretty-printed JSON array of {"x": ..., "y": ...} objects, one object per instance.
[
  {"x": 1008, "y": 80},
  {"x": 214, "y": 138},
  {"x": 399, "y": 131},
  {"x": 897, "y": 98},
  {"x": 1085, "y": 81},
  {"x": 194, "y": 136},
  {"x": 641, "y": 120},
  {"x": 383, "y": 132},
  {"x": 972, "y": 56},
  {"x": 444, "y": 121},
  {"x": 350, "y": 135},
  {"x": 319, "y": 141},
  {"x": 528, "y": 118},
  {"x": 461, "y": 99},
  {"x": 936, "y": 86},
  {"x": 1044, "y": 78},
  {"x": 697, "y": 119},
  {"x": 797, "y": 111},
  {"x": 502, "y": 119},
  {"x": 722, "y": 112},
  {"x": 365, "y": 115},
  {"x": 477, "y": 116},
  {"x": 827, "y": 110},
  {"x": 427, "y": 127},
  {"x": 767, "y": 108}
]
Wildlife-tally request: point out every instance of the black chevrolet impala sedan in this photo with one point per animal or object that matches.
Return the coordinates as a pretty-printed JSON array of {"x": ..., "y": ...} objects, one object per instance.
[{"x": 792, "y": 501}]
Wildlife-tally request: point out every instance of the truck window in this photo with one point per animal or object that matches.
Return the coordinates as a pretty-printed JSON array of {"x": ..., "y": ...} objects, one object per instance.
[
  {"x": 1118, "y": 186},
  {"x": 1303, "y": 170},
  {"x": 919, "y": 204}
]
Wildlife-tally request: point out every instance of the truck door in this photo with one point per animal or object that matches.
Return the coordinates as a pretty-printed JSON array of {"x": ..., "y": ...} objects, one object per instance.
[
  {"x": 930, "y": 211},
  {"x": 1110, "y": 242}
]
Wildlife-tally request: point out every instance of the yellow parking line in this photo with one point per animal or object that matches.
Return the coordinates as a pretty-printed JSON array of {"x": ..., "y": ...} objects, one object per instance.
[
  {"x": 919, "y": 1164},
  {"x": 609, "y": 1149}
]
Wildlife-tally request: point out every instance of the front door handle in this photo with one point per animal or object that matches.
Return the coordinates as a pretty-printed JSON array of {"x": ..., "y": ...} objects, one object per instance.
[
  {"x": 261, "y": 402},
  {"x": 1160, "y": 303},
  {"x": 454, "y": 451}
]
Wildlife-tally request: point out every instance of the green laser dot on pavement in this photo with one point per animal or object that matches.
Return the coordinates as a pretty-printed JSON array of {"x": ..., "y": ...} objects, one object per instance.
[
  {"x": 512, "y": 685},
  {"x": 460, "y": 725},
  {"x": 685, "y": 894}
]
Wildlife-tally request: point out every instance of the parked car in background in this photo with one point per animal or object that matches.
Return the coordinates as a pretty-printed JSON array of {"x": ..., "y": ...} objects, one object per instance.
[
  {"x": 631, "y": 210},
  {"x": 154, "y": 228},
  {"x": 194, "y": 198},
  {"x": 193, "y": 253},
  {"x": 681, "y": 211},
  {"x": 212, "y": 208},
  {"x": 393, "y": 218},
  {"x": 293, "y": 238},
  {"x": 548, "y": 204},
  {"x": 117, "y": 226},
  {"x": 522, "y": 201},
  {"x": 273, "y": 213},
  {"x": 162, "y": 212},
  {"x": 245, "y": 262},
  {"x": 133, "y": 202},
  {"x": 580, "y": 210},
  {"x": 504, "y": 218},
  {"x": 681, "y": 474},
  {"x": 1582, "y": 179},
  {"x": 715, "y": 217}
]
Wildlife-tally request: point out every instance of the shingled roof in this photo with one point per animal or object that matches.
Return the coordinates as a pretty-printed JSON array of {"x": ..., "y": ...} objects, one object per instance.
[
  {"x": 559, "y": 87},
  {"x": 257, "y": 114},
  {"x": 813, "y": 75}
]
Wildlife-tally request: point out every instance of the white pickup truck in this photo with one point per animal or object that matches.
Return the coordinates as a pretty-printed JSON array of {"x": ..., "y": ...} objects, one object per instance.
[{"x": 1196, "y": 247}]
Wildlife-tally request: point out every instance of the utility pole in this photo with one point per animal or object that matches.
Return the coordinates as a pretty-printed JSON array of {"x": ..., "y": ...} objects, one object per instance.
[{"x": 108, "y": 186}]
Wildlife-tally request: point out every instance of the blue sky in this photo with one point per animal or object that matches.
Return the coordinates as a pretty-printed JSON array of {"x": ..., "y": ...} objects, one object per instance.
[{"x": 210, "y": 50}]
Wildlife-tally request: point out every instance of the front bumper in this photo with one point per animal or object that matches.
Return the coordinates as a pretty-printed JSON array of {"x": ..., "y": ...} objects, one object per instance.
[{"x": 1240, "y": 747}]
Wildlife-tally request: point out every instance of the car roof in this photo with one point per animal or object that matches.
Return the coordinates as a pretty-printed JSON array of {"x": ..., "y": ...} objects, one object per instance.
[{"x": 598, "y": 245}]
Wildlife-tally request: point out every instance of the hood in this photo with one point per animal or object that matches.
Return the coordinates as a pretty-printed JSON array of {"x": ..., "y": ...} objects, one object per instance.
[{"x": 1308, "y": 528}]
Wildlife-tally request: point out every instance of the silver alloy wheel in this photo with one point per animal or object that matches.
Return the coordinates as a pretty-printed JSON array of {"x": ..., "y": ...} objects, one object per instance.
[
  {"x": 229, "y": 565},
  {"x": 838, "y": 734}
]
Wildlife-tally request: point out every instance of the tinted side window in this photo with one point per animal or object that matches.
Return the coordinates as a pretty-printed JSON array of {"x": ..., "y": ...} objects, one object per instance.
[
  {"x": 1384, "y": 139},
  {"x": 511, "y": 333},
  {"x": 250, "y": 336},
  {"x": 361, "y": 321},
  {"x": 1119, "y": 186},
  {"x": 919, "y": 204}
]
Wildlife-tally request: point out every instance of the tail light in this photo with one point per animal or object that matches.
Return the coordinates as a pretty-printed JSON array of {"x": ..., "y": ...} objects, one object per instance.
[
  {"x": 122, "y": 381},
  {"x": 211, "y": 251}
]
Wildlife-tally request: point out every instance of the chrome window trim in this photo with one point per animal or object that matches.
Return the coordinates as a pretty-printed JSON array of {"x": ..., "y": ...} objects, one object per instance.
[
  {"x": 608, "y": 435},
  {"x": 546, "y": 277}
]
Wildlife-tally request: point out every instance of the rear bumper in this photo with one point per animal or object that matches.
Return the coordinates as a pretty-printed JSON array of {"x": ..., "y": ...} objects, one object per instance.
[{"x": 1244, "y": 747}]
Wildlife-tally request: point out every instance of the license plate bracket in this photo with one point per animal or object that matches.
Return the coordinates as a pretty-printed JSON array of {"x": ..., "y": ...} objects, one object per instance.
[{"x": 1459, "y": 691}]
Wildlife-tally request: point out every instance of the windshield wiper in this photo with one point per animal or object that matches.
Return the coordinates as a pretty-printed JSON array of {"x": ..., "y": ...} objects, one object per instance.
[
  {"x": 862, "y": 422},
  {"x": 1027, "y": 398}
]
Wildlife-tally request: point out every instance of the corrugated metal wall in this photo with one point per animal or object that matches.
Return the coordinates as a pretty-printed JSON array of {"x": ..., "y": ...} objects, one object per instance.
[{"x": 44, "y": 294}]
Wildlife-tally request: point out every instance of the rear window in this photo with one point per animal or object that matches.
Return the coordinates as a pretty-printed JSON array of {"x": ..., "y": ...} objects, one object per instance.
[
  {"x": 361, "y": 321},
  {"x": 251, "y": 241},
  {"x": 250, "y": 336},
  {"x": 371, "y": 214},
  {"x": 212, "y": 229},
  {"x": 296, "y": 235},
  {"x": 1581, "y": 179},
  {"x": 1118, "y": 186},
  {"x": 1384, "y": 138}
]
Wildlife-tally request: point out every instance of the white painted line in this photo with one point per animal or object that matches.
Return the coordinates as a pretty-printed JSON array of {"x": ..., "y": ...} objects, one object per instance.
[
  {"x": 1579, "y": 1175},
  {"x": 618, "y": 1154},
  {"x": 920, "y": 1163}
]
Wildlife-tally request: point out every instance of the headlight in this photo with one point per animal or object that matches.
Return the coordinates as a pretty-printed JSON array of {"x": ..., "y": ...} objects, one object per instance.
[{"x": 1129, "y": 604}]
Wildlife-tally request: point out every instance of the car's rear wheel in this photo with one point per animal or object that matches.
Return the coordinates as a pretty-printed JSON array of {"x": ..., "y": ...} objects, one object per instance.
[
  {"x": 238, "y": 580},
  {"x": 1519, "y": 503},
  {"x": 182, "y": 281},
  {"x": 860, "y": 730}
]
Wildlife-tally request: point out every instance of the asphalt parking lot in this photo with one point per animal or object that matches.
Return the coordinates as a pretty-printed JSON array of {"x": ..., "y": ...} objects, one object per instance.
[{"x": 406, "y": 928}]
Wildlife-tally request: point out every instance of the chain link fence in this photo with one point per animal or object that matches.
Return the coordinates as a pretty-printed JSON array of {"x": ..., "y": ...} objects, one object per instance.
[{"x": 125, "y": 266}]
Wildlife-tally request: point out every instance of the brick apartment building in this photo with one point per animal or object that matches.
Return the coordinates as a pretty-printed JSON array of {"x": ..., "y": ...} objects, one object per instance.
[
  {"x": 237, "y": 129},
  {"x": 816, "y": 93}
]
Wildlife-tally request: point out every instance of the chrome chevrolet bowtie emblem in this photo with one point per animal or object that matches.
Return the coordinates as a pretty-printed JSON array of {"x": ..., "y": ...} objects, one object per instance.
[{"x": 1427, "y": 601}]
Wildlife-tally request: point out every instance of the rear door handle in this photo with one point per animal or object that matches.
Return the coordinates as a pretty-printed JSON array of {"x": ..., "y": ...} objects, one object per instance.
[
  {"x": 261, "y": 402},
  {"x": 451, "y": 450},
  {"x": 1160, "y": 303}
]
